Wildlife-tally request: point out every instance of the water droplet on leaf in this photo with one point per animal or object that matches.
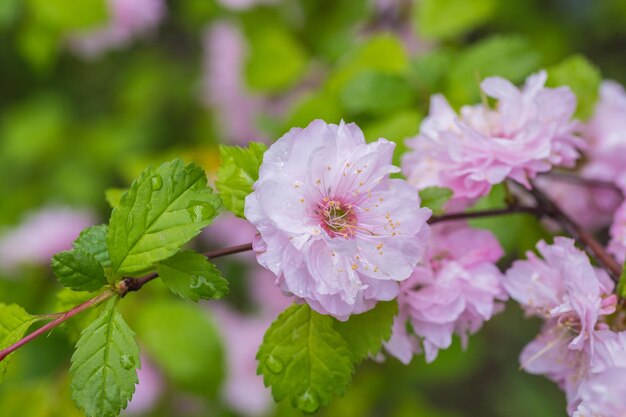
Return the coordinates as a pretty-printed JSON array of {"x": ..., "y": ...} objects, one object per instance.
[
  {"x": 156, "y": 182},
  {"x": 274, "y": 364},
  {"x": 199, "y": 211},
  {"x": 127, "y": 362},
  {"x": 308, "y": 402},
  {"x": 198, "y": 281}
]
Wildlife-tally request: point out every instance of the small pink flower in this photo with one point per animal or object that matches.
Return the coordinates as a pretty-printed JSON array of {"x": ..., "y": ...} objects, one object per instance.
[
  {"x": 41, "y": 235},
  {"x": 530, "y": 131},
  {"x": 456, "y": 292},
  {"x": 224, "y": 84},
  {"x": 147, "y": 391},
  {"x": 334, "y": 228},
  {"x": 129, "y": 19}
]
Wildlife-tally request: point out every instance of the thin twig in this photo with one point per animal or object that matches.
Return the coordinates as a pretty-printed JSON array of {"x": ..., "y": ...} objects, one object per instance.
[
  {"x": 593, "y": 247},
  {"x": 578, "y": 180},
  {"x": 484, "y": 213},
  {"x": 60, "y": 319},
  {"x": 135, "y": 284}
]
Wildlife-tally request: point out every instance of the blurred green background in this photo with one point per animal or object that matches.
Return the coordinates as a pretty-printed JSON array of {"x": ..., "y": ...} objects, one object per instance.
[{"x": 92, "y": 91}]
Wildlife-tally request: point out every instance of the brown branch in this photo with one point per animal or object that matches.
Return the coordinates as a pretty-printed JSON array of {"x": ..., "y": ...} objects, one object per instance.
[
  {"x": 135, "y": 284},
  {"x": 127, "y": 285},
  {"x": 584, "y": 182},
  {"x": 586, "y": 239},
  {"x": 62, "y": 317},
  {"x": 484, "y": 213}
]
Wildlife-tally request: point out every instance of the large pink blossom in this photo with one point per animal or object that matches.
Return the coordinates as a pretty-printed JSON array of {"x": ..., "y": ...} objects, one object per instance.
[
  {"x": 334, "y": 228},
  {"x": 42, "y": 234},
  {"x": 529, "y": 132},
  {"x": 128, "y": 19},
  {"x": 458, "y": 290}
]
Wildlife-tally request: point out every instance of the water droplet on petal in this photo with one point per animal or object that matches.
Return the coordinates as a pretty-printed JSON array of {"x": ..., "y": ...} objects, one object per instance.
[
  {"x": 274, "y": 364},
  {"x": 308, "y": 402},
  {"x": 156, "y": 182},
  {"x": 127, "y": 362}
]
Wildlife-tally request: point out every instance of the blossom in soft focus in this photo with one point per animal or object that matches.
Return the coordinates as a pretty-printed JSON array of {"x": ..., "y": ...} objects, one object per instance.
[
  {"x": 458, "y": 289},
  {"x": 603, "y": 395},
  {"x": 244, "y": 4},
  {"x": 334, "y": 228},
  {"x": 147, "y": 390},
  {"x": 617, "y": 244},
  {"x": 244, "y": 390},
  {"x": 41, "y": 235},
  {"x": 529, "y": 132},
  {"x": 573, "y": 297},
  {"x": 128, "y": 19},
  {"x": 224, "y": 85},
  {"x": 229, "y": 230},
  {"x": 606, "y": 134}
]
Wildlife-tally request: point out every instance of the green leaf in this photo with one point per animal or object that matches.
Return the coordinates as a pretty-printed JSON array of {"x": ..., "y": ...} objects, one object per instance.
[
  {"x": 162, "y": 210},
  {"x": 14, "y": 322},
  {"x": 511, "y": 57},
  {"x": 113, "y": 196},
  {"x": 238, "y": 171},
  {"x": 94, "y": 241},
  {"x": 376, "y": 92},
  {"x": 582, "y": 77},
  {"x": 104, "y": 365},
  {"x": 190, "y": 275},
  {"x": 68, "y": 14},
  {"x": 78, "y": 270},
  {"x": 304, "y": 359},
  {"x": 435, "y": 197},
  {"x": 621, "y": 285},
  {"x": 185, "y": 342},
  {"x": 276, "y": 60},
  {"x": 366, "y": 332},
  {"x": 442, "y": 19}
]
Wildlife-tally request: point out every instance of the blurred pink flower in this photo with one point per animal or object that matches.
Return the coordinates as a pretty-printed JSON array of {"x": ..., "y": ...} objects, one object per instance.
[
  {"x": 244, "y": 4},
  {"x": 244, "y": 390},
  {"x": 603, "y": 395},
  {"x": 224, "y": 84},
  {"x": 617, "y": 244},
  {"x": 573, "y": 298},
  {"x": 128, "y": 19},
  {"x": 530, "y": 131},
  {"x": 459, "y": 289},
  {"x": 147, "y": 391},
  {"x": 229, "y": 230},
  {"x": 335, "y": 230},
  {"x": 606, "y": 135},
  {"x": 41, "y": 235}
]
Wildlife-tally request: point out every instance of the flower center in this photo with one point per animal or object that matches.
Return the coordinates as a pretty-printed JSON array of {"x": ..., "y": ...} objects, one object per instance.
[{"x": 337, "y": 218}]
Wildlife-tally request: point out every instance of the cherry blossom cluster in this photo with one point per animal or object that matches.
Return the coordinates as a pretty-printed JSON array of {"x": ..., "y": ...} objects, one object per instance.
[{"x": 341, "y": 234}]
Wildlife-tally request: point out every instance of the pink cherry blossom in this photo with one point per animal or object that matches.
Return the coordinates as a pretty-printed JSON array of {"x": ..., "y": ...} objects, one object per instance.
[
  {"x": 574, "y": 298},
  {"x": 606, "y": 134},
  {"x": 529, "y": 132},
  {"x": 129, "y": 19},
  {"x": 224, "y": 85},
  {"x": 41, "y": 235},
  {"x": 603, "y": 395},
  {"x": 458, "y": 290},
  {"x": 334, "y": 228}
]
